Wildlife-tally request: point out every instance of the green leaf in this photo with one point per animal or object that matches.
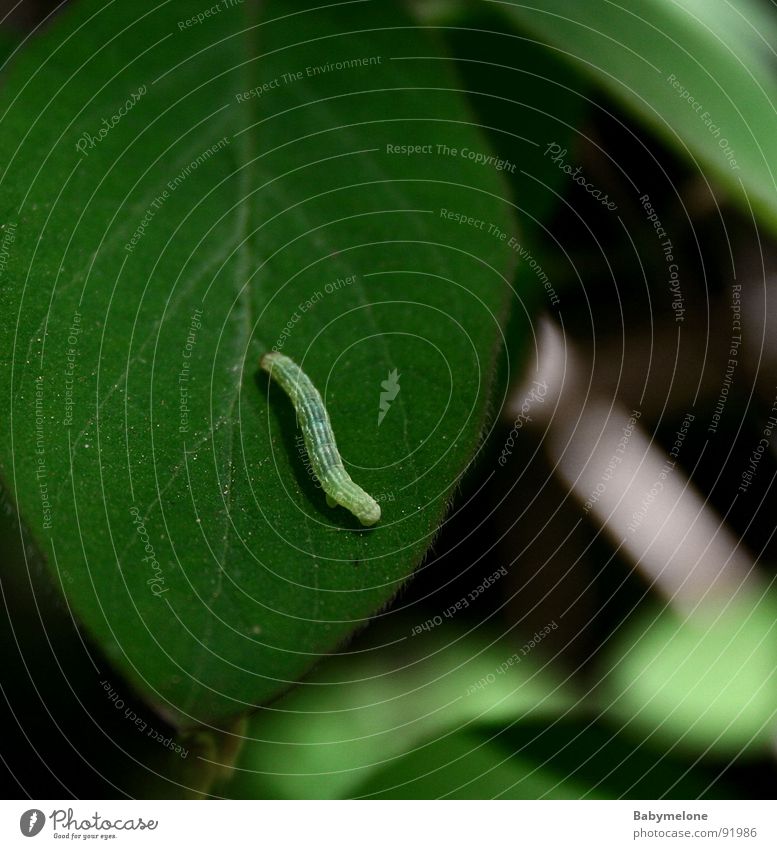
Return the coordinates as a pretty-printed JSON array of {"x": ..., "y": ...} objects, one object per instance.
[
  {"x": 466, "y": 765},
  {"x": 573, "y": 758},
  {"x": 688, "y": 70},
  {"x": 448, "y": 714},
  {"x": 241, "y": 195},
  {"x": 358, "y": 715},
  {"x": 708, "y": 682}
]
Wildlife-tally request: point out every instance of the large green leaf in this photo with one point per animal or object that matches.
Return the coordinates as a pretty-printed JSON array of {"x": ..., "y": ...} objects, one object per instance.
[
  {"x": 700, "y": 75},
  {"x": 229, "y": 209}
]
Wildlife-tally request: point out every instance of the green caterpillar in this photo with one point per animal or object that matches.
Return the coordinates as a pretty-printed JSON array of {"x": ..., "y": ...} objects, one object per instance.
[{"x": 319, "y": 439}]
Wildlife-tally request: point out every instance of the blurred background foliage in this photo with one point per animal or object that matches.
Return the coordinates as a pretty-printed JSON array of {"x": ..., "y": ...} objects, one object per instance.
[{"x": 570, "y": 676}]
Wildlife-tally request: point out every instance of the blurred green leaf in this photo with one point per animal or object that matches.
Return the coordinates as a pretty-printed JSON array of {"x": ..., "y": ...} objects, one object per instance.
[
  {"x": 466, "y": 765},
  {"x": 609, "y": 761},
  {"x": 747, "y": 27},
  {"x": 356, "y": 715},
  {"x": 655, "y": 57},
  {"x": 156, "y": 255},
  {"x": 447, "y": 714},
  {"x": 707, "y": 682},
  {"x": 576, "y": 757}
]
